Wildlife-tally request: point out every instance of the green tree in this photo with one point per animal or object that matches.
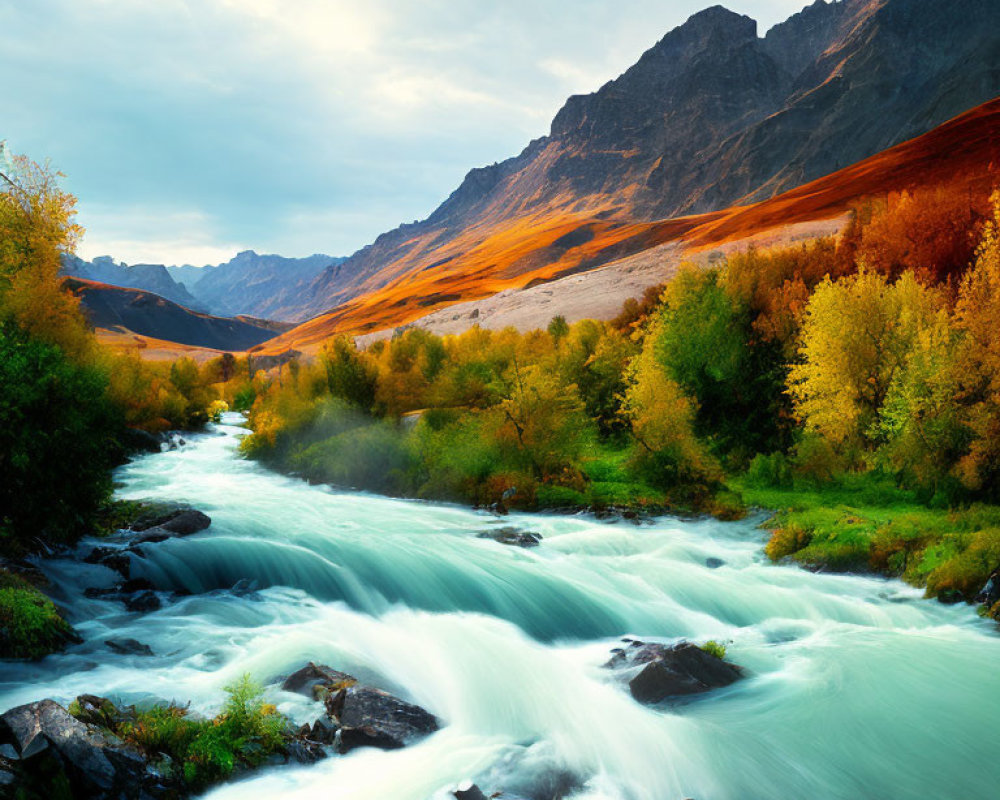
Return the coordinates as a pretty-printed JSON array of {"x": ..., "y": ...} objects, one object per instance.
[
  {"x": 349, "y": 375},
  {"x": 57, "y": 441}
]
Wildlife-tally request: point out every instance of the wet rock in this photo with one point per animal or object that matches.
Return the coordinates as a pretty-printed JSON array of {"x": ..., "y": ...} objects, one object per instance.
[
  {"x": 125, "y": 588},
  {"x": 142, "y": 602},
  {"x": 672, "y": 670},
  {"x": 468, "y": 791},
  {"x": 182, "y": 522},
  {"x": 92, "y": 709},
  {"x": 302, "y": 751},
  {"x": 316, "y": 680},
  {"x": 989, "y": 595},
  {"x": 358, "y": 716},
  {"x": 129, "y": 647},
  {"x": 714, "y": 563},
  {"x": 114, "y": 558},
  {"x": 373, "y": 718},
  {"x": 95, "y": 763},
  {"x": 187, "y": 522},
  {"x": 511, "y": 536}
]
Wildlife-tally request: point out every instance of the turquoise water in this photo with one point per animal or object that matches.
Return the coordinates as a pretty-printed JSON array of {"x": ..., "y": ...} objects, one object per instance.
[{"x": 857, "y": 688}]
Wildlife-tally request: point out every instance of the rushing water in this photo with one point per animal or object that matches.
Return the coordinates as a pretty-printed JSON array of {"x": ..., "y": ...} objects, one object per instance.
[{"x": 857, "y": 688}]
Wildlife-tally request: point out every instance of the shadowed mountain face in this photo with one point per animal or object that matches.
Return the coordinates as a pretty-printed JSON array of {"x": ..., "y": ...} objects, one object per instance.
[
  {"x": 265, "y": 286},
  {"x": 712, "y": 115},
  {"x": 150, "y": 277},
  {"x": 268, "y": 286},
  {"x": 148, "y": 314}
]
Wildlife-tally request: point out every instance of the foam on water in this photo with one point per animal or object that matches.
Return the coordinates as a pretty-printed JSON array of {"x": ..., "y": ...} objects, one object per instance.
[{"x": 857, "y": 687}]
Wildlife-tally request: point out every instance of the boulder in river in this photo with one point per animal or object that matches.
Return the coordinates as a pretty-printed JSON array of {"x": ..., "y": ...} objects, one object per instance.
[
  {"x": 356, "y": 715},
  {"x": 49, "y": 742},
  {"x": 128, "y": 647},
  {"x": 663, "y": 671},
  {"x": 512, "y": 536},
  {"x": 989, "y": 595}
]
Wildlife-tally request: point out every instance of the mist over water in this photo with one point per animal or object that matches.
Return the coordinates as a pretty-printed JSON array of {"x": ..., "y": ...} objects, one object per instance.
[{"x": 857, "y": 687}]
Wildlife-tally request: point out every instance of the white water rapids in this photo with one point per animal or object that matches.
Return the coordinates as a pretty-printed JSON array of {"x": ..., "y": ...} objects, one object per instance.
[{"x": 856, "y": 687}]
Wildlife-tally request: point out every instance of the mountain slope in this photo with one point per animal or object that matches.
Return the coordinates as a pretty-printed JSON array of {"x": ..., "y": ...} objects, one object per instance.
[
  {"x": 268, "y": 286},
  {"x": 965, "y": 152},
  {"x": 710, "y": 116},
  {"x": 115, "y": 308},
  {"x": 153, "y": 278}
]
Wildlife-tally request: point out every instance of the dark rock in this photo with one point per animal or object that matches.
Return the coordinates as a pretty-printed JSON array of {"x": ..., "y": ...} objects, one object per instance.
[
  {"x": 714, "y": 563},
  {"x": 324, "y": 730},
  {"x": 989, "y": 595},
  {"x": 126, "y": 587},
  {"x": 303, "y": 751},
  {"x": 950, "y": 596},
  {"x": 187, "y": 522},
  {"x": 512, "y": 536},
  {"x": 136, "y": 440},
  {"x": 358, "y": 716},
  {"x": 114, "y": 558},
  {"x": 96, "y": 763},
  {"x": 672, "y": 670},
  {"x": 169, "y": 521},
  {"x": 468, "y": 791},
  {"x": 371, "y": 717},
  {"x": 142, "y": 602},
  {"x": 96, "y": 710},
  {"x": 129, "y": 647},
  {"x": 316, "y": 680}
]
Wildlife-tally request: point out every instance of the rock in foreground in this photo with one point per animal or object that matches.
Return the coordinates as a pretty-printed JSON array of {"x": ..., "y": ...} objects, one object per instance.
[
  {"x": 665, "y": 671},
  {"x": 356, "y": 715}
]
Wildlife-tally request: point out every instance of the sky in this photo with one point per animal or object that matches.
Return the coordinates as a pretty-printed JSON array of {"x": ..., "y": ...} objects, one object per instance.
[{"x": 193, "y": 129}]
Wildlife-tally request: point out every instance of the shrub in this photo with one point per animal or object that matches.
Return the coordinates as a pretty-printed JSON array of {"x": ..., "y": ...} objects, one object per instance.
[
  {"x": 58, "y": 442},
  {"x": 714, "y": 648},
  {"x": 30, "y": 625}
]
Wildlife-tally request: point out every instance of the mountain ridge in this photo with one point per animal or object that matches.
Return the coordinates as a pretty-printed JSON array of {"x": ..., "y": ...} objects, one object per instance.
[{"x": 710, "y": 116}]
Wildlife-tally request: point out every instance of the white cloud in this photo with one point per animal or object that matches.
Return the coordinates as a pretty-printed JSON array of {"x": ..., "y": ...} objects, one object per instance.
[{"x": 249, "y": 111}]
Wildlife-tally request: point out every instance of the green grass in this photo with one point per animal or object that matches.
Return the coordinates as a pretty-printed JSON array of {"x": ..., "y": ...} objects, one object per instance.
[
  {"x": 202, "y": 752},
  {"x": 30, "y": 625},
  {"x": 862, "y": 522}
]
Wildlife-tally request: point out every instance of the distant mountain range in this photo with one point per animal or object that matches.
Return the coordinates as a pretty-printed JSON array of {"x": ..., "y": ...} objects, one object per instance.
[
  {"x": 128, "y": 310},
  {"x": 702, "y": 141},
  {"x": 710, "y": 116},
  {"x": 263, "y": 286}
]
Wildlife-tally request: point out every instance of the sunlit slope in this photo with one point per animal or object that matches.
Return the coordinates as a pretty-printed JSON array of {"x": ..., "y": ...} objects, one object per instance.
[{"x": 484, "y": 260}]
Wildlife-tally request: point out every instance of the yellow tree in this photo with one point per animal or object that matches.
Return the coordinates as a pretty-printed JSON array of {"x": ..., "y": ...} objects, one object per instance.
[
  {"x": 857, "y": 335},
  {"x": 36, "y": 227},
  {"x": 661, "y": 418},
  {"x": 977, "y": 316}
]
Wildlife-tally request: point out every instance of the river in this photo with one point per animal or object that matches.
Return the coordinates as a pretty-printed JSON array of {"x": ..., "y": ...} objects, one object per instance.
[{"x": 857, "y": 687}]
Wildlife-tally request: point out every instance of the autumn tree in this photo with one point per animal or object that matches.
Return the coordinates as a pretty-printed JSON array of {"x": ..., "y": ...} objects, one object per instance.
[
  {"x": 857, "y": 335},
  {"x": 544, "y": 418},
  {"x": 932, "y": 232},
  {"x": 977, "y": 316},
  {"x": 661, "y": 418},
  {"x": 36, "y": 227}
]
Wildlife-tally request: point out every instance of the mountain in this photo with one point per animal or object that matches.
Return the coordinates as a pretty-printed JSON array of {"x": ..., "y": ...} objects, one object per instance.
[
  {"x": 114, "y": 308},
  {"x": 963, "y": 153},
  {"x": 260, "y": 285},
  {"x": 712, "y": 115},
  {"x": 153, "y": 278}
]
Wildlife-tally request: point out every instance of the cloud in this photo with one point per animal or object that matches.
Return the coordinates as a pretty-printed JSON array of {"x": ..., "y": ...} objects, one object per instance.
[{"x": 257, "y": 114}]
